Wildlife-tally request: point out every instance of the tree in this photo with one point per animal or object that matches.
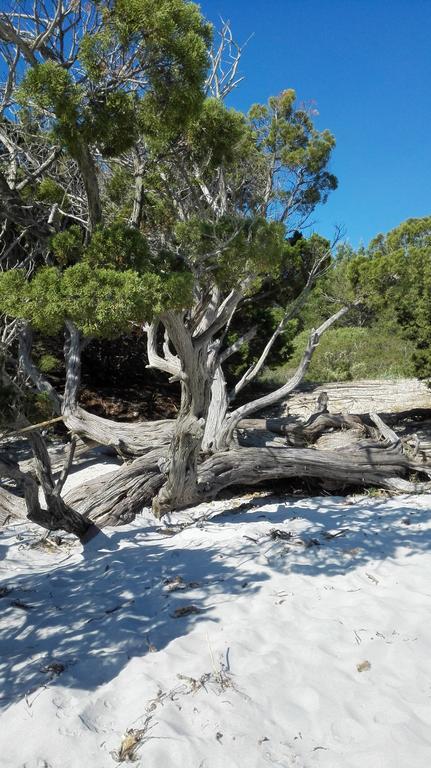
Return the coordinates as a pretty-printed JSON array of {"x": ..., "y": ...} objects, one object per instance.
[
  {"x": 394, "y": 275},
  {"x": 132, "y": 196}
]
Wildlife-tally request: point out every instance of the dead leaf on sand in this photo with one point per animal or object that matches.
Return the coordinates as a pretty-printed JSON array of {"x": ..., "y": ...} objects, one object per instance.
[
  {"x": 363, "y": 666},
  {"x": 176, "y": 583}
]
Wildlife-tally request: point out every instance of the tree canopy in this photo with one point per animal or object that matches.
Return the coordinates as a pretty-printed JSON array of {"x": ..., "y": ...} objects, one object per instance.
[{"x": 139, "y": 184}]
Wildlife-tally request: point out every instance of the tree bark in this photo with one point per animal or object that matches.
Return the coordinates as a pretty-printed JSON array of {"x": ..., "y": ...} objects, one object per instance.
[
  {"x": 115, "y": 498},
  {"x": 217, "y": 410},
  {"x": 88, "y": 170},
  {"x": 373, "y": 466},
  {"x": 11, "y": 507},
  {"x": 185, "y": 448},
  {"x": 28, "y": 367}
]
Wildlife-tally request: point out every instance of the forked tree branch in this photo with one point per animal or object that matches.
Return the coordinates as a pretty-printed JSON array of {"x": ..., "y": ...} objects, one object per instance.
[
  {"x": 169, "y": 364},
  {"x": 274, "y": 397},
  {"x": 293, "y": 310}
]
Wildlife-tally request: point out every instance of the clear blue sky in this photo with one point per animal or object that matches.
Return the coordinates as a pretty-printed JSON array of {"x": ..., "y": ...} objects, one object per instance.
[{"x": 367, "y": 65}]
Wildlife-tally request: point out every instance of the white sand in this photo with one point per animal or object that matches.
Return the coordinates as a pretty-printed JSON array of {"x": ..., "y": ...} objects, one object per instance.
[{"x": 265, "y": 674}]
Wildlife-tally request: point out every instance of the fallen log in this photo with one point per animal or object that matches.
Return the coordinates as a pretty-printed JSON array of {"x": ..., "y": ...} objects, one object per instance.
[
  {"x": 360, "y": 397},
  {"x": 372, "y": 465}
]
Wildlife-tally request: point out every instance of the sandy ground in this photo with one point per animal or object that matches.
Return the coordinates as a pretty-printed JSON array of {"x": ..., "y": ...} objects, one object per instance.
[{"x": 245, "y": 633}]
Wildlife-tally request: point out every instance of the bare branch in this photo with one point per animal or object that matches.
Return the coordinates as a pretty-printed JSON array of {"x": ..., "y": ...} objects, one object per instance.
[
  {"x": 236, "y": 346},
  {"x": 169, "y": 365},
  {"x": 274, "y": 397},
  {"x": 56, "y": 152},
  {"x": 292, "y": 311},
  {"x": 68, "y": 461}
]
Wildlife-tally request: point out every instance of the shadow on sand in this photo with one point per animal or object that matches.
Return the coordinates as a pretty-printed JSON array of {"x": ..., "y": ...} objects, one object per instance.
[
  {"x": 93, "y": 615},
  {"x": 94, "y": 612},
  {"x": 338, "y": 535}
]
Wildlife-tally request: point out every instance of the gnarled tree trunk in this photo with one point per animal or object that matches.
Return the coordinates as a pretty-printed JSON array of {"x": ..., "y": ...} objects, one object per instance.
[{"x": 180, "y": 486}]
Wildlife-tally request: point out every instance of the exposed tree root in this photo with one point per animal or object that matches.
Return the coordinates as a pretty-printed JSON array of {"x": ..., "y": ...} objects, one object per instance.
[{"x": 117, "y": 497}]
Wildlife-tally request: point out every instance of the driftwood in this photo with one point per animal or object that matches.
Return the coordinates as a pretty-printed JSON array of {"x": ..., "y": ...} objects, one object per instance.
[
  {"x": 375, "y": 466},
  {"x": 361, "y": 397},
  {"x": 303, "y": 434}
]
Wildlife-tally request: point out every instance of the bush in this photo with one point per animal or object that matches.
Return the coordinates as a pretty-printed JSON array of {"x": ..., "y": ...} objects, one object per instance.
[{"x": 351, "y": 353}]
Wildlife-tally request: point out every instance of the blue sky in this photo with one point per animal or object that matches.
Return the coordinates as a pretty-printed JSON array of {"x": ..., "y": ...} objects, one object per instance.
[{"x": 367, "y": 65}]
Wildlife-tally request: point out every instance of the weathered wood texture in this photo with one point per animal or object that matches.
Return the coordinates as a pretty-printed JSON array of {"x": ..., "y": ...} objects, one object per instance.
[
  {"x": 375, "y": 465},
  {"x": 11, "y": 507},
  {"x": 335, "y": 449},
  {"x": 116, "y": 497},
  {"x": 360, "y": 397}
]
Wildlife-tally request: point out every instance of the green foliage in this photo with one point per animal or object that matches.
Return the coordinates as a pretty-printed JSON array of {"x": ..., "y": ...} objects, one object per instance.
[
  {"x": 394, "y": 275},
  {"x": 334, "y": 290},
  {"x": 118, "y": 246},
  {"x": 168, "y": 41},
  {"x": 256, "y": 249},
  {"x": 299, "y": 256},
  {"x": 288, "y": 135},
  {"x": 173, "y": 40},
  {"x": 276, "y": 292},
  {"x": 107, "y": 120},
  {"x": 94, "y": 50},
  {"x": 266, "y": 319},
  {"x": 215, "y": 135},
  {"x": 119, "y": 187},
  {"x": 12, "y": 290},
  {"x": 102, "y": 302},
  {"x": 232, "y": 248},
  {"x": 349, "y": 353},
  {"x": 48, "y": 191},
  {"x": 173, "y": 26},
  {"x": 110, "y": 121},
  {"x": 67, "y": 245},
  {"x": 51, "y": 89},
  {"x": 48, "y": 363}
]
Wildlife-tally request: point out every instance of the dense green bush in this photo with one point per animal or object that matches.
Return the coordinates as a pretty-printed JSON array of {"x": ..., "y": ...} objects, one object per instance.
[{"x": 347, "y": 353}]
